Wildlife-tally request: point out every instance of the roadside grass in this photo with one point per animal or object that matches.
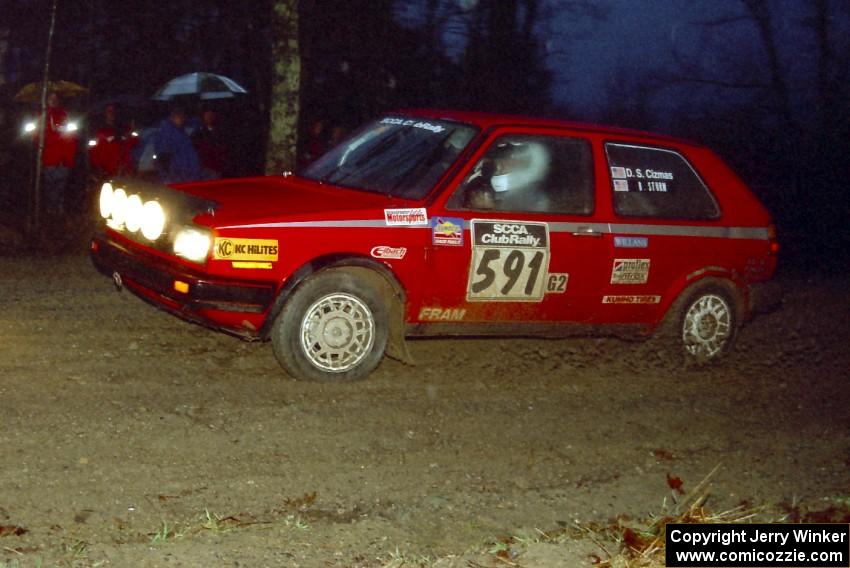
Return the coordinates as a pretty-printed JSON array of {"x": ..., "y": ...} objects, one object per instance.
[
  {"x": 211, "y": 522},
  {"x": 620, "y": 542},
  {"x": 624, "y": 542}
]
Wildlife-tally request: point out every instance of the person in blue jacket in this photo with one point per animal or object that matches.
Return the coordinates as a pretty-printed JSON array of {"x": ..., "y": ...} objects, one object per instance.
[{"x": 176, "y": 158}]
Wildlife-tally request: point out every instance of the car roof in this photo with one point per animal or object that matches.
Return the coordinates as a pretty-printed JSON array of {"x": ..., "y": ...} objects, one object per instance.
[{"x": 485, "y": 120}]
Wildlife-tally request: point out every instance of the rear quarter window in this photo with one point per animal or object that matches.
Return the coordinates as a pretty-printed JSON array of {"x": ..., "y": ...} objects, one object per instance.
[{"x": 656, "y": 182}]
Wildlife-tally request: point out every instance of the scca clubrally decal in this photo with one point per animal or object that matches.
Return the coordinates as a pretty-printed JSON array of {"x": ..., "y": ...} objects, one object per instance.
[
  {"x": 245, "y": 249},
  {"x": 510, "y": 260}
]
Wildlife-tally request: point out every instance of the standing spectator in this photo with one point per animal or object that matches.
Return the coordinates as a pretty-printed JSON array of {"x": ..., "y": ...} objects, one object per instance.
[
  {"x": 316, "y": 144},
  {"x": 176, "y": 158},
  {"x": 211, "y": 146},
  {"x": 57, "y": 158},
  {"x": 109, "y": 152},
  {"x": 338, "y": 134}
]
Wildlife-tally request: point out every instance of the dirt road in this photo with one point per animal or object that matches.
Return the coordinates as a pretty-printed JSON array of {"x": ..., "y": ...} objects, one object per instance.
[{"x": 131, "y": 438}]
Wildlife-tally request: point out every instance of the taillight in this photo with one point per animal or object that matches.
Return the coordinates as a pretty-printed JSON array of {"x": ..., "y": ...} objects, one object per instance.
[{"x": 773, "y": 244}]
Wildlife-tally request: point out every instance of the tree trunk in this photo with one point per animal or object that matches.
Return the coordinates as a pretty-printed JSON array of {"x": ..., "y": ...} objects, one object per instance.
[{"x": 286, "y": 78}]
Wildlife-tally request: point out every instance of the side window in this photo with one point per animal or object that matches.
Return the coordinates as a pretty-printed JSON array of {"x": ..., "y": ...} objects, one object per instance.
[
  {"x": 524, "y": 173},
  {"x": 654, "y": 182}
]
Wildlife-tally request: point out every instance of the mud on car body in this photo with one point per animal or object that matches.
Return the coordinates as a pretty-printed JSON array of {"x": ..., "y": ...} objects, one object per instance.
[{"x": 447, "y": 223}]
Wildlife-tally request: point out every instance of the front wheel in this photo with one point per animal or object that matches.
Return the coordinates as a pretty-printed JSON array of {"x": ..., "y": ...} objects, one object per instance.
[
  {"x": 333, "y": 328},
  {"x": 701, "y": 325}
]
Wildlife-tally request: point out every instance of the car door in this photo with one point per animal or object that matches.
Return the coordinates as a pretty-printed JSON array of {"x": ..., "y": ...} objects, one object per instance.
[
  {"x": 662, "y": 208},
  {"x": 514, "y": 239}
]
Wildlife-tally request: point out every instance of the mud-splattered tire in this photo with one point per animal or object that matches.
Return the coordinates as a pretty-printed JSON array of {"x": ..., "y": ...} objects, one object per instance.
[
  {"x": 333, "y": 328},
  {"x": 700, "y": 327}
]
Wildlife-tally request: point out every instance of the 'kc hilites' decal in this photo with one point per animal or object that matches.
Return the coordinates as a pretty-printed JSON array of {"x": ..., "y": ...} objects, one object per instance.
[
  {"x": 226, "y": 248},
  {"x": 510, "y": 260}
]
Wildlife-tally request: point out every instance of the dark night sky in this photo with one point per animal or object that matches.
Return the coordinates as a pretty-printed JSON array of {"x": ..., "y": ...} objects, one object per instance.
[{"x": 640, "y": 36}]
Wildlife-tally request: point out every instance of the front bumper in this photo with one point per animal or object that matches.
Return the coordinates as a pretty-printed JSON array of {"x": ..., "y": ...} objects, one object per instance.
[{"x": 215, "y": 302}]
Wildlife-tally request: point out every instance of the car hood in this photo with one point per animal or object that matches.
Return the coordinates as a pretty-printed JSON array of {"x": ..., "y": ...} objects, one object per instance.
[{"x": 271, "y": 198}]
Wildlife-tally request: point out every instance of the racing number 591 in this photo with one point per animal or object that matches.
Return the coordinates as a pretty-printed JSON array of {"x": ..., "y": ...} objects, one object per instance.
[{"x": 511, "y": 268}]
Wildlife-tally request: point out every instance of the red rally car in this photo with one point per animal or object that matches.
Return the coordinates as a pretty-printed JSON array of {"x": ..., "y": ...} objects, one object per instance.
[{"x": 429, "y": 223}]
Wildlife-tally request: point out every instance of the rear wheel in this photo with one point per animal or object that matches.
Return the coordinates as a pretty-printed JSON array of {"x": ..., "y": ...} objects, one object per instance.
[
  {"x": 701, "y": 326},
  {"x": 333, "y": 328}
]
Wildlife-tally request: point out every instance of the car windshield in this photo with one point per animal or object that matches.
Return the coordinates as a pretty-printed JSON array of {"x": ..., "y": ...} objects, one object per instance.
[{"x": 396, "y": 156}]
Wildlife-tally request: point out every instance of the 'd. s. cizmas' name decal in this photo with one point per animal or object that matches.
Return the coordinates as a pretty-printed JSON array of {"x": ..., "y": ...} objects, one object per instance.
[
  {"x": 406, "y": 217},
  {"x": 510, "y": 260},
  {"x": 395, "y": 253},
  {"x": 226, "y": 248},
  {"x": 645, "y": 179}
]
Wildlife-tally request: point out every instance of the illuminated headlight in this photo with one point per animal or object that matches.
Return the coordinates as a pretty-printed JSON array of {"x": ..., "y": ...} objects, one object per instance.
[
  {"x": 29, "y": 127},
  {"x": 92, "y": 143},
  {"x": 119, "y": 207},
  {"x": 129, "y": 212},
  {"x": 153, "y": 220},
  {"x": 134, "y": 214},
  {"x": 106, "y": 195},
  {"x": 192, "y": 244},
  {"x": 72, "y": 127}
]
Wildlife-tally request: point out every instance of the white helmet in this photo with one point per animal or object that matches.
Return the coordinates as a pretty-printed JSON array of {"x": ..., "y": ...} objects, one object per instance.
[{"x": 519, "y": 165}]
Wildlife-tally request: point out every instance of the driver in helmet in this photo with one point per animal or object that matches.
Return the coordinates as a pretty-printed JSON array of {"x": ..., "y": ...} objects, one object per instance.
[{"x": 513, "y": 172}]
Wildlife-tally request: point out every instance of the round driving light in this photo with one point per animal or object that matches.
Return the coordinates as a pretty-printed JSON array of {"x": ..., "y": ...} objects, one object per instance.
[
  {"x": 119, "y": 206},
  {"x": 153, "y": 220},
  {"x": 106, "y": 200},
  {"x": 135, "y": 212},
  {"x": 191, "y": 244}
]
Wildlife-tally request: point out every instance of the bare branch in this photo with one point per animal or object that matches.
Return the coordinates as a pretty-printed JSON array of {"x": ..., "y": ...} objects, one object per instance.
[{"x": 718, "y": 82}]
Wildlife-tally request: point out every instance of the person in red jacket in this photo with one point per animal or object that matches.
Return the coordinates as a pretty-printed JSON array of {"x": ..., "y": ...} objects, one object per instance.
[
  {"x": 109, "y": 151},
  {"x": 57, "y": 158}
]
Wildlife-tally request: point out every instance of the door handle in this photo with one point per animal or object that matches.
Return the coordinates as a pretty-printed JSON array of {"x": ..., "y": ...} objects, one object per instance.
[{"x": 587, "y": 232}]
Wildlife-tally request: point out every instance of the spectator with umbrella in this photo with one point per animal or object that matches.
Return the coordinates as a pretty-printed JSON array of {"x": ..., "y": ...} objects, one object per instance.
[
  {"x": 176, "y": 158},
  {"x": 58, "y": 155},
  {"x": 211, "y": 145}
]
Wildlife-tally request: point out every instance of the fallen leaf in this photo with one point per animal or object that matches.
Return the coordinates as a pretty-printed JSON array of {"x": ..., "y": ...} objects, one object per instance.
[
  {"x": 300, "y": 502},
  {"x": 675, "y": 484},
  {"x": 6, "y": 530},
  {"x": 663, "y": 455}
]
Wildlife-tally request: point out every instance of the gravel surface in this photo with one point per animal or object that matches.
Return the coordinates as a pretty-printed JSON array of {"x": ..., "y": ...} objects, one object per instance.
[{"x": 131, "y": 438}]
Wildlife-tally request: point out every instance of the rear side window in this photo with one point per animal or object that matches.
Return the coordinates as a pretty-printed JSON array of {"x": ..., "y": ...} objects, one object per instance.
[{"x": 655, "y": 182}]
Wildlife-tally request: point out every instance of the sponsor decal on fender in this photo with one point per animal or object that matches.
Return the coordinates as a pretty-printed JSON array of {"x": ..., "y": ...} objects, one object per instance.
[
  {"x": 630, "y": 271},
  {"x": 226, "y": 248},
  {"x": 631, "y": 299},
  {"x": 395, "y": 253},
  {"x": 447, "y": 231},
  {"x": 441, "y": 314},
  {"x": 406, "y": 217}
]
